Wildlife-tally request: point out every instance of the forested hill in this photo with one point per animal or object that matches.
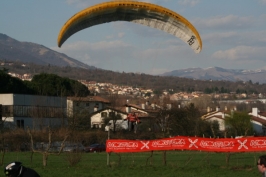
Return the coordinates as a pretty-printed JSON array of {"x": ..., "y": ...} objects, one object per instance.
[{"x": 158, "y": 83}]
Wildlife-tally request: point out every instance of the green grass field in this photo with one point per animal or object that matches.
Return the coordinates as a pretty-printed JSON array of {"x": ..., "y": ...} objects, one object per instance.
[{"x": 178, "y": 163}]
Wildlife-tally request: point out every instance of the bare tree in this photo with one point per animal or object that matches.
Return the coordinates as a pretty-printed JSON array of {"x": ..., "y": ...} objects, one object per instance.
[
  {"x": 113, "y": 116},
  {"x": 2, "y": 142},
  {"x": 202, "y": 102},
  {"x": 47, "y": 152},
  {"x": 181, "y": 121},
  {"x": 2, "y": 137},
  {"x": 115, "y": 101}
]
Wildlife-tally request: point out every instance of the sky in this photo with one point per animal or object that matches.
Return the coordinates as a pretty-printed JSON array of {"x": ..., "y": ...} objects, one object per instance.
[{"x": 233, "y": 35}]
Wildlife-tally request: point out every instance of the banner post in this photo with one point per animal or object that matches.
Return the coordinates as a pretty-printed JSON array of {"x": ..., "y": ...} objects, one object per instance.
[{"x": 108, "y": 153}]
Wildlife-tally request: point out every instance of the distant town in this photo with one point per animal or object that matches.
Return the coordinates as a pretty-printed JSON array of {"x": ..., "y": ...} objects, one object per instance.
[{"x": 109, "y": 88}]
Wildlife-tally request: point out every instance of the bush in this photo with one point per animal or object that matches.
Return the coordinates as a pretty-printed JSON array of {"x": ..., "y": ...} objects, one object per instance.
[{"x": 73, "y": 158}]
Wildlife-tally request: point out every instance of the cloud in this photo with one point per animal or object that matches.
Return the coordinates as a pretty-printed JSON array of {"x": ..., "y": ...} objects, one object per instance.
[
  {"x": 235, "y": 38},
  {"x": 163, "y": 54},
  {"x": 106, "y": 54},
  {"x": 96, "y": 53},
  {"x": 232, "y": 30},
  {"x": 83, "y": 3},
  {"x": 220, "y": 37},
  {"x": 241, "y": 53},
  {"x": 102, "y": 45},
  {"x": 160, "y": 58},
  {"x": 157, "y": 1},
  {"x": 188, "y": 2},
  {"x": 228, "y": 40},
  {"x": 87, "y": 3},
  {"x": 225, "y": 22},
  {"x": 119, "y": 35},
  {"x": 262, "y": 1}
]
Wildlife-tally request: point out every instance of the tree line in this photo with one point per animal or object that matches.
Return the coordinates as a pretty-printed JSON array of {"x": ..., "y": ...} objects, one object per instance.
[{"x": 42, "y": 84}]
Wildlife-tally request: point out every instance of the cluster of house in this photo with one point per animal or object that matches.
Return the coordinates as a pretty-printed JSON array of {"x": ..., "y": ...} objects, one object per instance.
[
  {"x": 35, "y": 112},
  {"x": 258, "y": 118},
  {"x": 24, "y": 77},
  {"x": 108, "y": 88}
]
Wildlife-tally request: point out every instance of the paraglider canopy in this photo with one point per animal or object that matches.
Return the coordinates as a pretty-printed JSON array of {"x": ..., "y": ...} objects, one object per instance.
[{"x": 147, "y": 14}]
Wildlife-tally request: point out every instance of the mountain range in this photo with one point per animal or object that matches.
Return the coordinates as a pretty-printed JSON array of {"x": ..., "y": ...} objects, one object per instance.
[
  {"x": 14, "y": 50},
  {"x": 217, "y": 73}
]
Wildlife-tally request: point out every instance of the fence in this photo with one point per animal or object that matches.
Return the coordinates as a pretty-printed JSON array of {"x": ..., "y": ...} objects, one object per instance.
[{"x": 148, "y": 164}]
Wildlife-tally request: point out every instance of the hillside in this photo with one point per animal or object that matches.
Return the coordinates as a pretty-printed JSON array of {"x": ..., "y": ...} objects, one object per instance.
[
  {"x": 25, "y": 52},
  {"x": 158, "y": 83},
  {"x": 33, "y": 59},
  {"x": 13, "y": 50},
  {"x": 217, "y": 73}
]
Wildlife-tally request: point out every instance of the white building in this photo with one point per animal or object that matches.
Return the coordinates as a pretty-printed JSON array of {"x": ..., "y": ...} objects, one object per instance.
[
  {"x": 216, "y": 115},
  {"x": 33, "y": 111},
  {"x": 258, "y": 121},
  {"x": 98, "y": 117},
  {"x": 144, "y": 113}
]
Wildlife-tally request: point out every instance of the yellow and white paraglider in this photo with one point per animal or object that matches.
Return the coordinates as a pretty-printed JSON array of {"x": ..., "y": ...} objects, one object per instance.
[{"x": 133, "y": 11}]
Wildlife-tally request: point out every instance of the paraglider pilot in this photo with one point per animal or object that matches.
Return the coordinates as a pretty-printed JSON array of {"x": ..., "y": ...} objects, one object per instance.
[
  {"x": 133, "y": 121},
  {"x": 16, "y": 169}
]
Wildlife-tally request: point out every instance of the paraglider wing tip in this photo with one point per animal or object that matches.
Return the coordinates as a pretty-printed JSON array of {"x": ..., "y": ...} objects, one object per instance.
[
  {"x": 60, "y": 40},
  {"x": 59, "y": 44},
  {"x": 198, "y": 50}
]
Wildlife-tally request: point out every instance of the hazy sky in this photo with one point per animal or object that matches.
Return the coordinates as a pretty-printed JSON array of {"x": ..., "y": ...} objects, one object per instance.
[{"x": 233, "y": 33}]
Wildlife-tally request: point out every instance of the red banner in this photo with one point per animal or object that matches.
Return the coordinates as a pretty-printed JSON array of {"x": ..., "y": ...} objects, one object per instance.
[{"x": 189, "y": 143}]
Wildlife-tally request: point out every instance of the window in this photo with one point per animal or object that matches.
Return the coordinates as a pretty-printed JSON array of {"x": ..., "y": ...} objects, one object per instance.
[
  {"x": 7, "y": 111},
  {"x": 1, "y": 111},
  {"x": 87, "y": 104},
  {"x": 17, "y": 110},
  {"x": 20, "y": 124},
  {"x": 111, "y": 114},
  {"x": 104, "y": 114},
  {"x": 25, "y": 111},
  {"x": 21, "y": 111}
]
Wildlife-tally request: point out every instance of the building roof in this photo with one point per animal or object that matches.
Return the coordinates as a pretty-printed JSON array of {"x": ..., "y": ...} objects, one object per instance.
[
  {"x": 122, "y": 110},
  {"x": 214, "y": 116},
  {"x": 89, "y": 99},
  {"x": 148, "y": 108},
  {"x": 260, "y": 120},
  {"x": 210, "y": 114},
  {"x": 140, "y": 114},
  {"x": 262, "y": 114}
]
